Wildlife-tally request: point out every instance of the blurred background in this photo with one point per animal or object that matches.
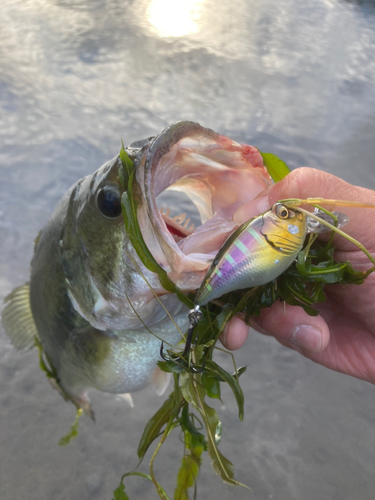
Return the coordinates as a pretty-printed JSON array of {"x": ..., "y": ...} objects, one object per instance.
[{"x": 293, "y": 78}]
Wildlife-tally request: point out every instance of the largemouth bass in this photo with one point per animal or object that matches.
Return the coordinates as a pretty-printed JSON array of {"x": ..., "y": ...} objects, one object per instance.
[{"x": 88, "y": 302}]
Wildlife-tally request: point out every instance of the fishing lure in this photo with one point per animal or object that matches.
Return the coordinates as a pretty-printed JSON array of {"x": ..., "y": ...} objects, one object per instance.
[
  {"x": 263, "y": 248},
  {"x": 260, "y": 250}
]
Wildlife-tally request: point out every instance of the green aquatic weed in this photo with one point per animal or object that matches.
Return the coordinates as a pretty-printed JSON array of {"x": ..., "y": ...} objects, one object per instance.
[{"x": 186, "y": 407}]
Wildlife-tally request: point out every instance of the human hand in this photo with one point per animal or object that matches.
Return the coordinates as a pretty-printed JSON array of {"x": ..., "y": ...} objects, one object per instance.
[{"x": 342, "y": 337}]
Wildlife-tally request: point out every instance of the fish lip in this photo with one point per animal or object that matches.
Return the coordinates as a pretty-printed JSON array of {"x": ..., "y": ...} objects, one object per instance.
[{"x": 153, "y": 177}]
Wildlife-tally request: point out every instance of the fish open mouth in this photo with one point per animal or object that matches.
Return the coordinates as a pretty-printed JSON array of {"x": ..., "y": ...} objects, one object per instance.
[
  {"x": 217, "y": 174},
  {"x": 179, "y": 226}
]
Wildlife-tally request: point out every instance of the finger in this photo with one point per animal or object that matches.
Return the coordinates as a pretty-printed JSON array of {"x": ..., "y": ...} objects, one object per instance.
[
  {"x": 301, "y": 183},
  {"x": 235, "y": 334},
  {"x": 307, "y": 182},
  {"x": 292, "y": 324},
  {"x": 310, "y": 183}
]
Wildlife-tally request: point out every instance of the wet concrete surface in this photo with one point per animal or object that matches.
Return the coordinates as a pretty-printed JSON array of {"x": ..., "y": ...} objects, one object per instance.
[{"x": 293, "y": 78}]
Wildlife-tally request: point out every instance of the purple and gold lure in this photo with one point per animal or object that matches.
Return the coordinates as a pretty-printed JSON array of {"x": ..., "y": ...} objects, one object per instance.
[{"x": 256, "y": 253}]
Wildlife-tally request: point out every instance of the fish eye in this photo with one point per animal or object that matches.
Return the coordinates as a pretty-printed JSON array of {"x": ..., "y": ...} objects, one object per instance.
[
  {"x": 282, "y": 211},
  {"x": 109, "y": 202}
]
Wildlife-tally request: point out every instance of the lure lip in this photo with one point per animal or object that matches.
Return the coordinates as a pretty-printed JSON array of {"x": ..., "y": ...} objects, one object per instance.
[{"x": 206, "y": 166}]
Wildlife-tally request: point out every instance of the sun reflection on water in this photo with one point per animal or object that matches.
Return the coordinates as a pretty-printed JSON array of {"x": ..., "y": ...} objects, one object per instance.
[{"x": 173, "y": 18}]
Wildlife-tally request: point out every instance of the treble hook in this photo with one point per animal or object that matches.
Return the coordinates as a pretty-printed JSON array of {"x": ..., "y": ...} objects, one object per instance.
[
  {"x": 192, "y": 367},
  {"x": 162, "y": 353},
  {"x": 198, "y": 370},
  {"x": 194, "y": 316}
]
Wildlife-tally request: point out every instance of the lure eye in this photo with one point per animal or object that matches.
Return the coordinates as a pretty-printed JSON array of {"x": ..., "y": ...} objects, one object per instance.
[
  {"x": 109, "y": 202},
  {"x": 282, "y": 211}
]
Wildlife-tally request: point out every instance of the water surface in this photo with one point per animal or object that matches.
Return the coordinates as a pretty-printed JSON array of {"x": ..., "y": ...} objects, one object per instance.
[{"x": 293, "y": 78}]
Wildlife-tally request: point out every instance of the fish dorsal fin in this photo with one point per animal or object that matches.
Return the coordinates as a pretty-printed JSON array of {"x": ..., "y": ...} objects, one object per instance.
[{"x": 17, "y": 318}]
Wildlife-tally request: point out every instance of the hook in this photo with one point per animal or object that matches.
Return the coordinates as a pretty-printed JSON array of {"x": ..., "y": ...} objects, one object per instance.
[
  {"x": 162, "y": 353},
  {"x": 194, "y": 316}
]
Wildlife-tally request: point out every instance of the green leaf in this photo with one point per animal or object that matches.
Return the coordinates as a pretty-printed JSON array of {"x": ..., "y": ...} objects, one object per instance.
[
  {"x": 190, "y": 465},
  {"x": 187, "y": 388},
  {"x": 119, "y": 493},
  {"x": 220, "y": 464},
  {"x": 275, "y": 166},
  {"x": 127, "y": 167},
  {"x": 218, "y": 433},
  {"x": 195, "y": 444},
  {"x": 240, "y": 371},
  {"x": 295, "y": 302},
  {"x": 232, "y": 382},
  {"x": 127, "y": 163},
  {"x": 162, "y": 494},
  {"x": 187, "y": 425},
  {"x": 187, "y": 476},
  {"x": 170, "y": 367},
  {"x": 223, "y": 318},
  {"x": 65, "y": 440},
  {"x": 153, "y": 427},
  {"x": 135, "y": 235},
  {"x": 329, "y": 272},
  {"x": 211, "y": 384}
]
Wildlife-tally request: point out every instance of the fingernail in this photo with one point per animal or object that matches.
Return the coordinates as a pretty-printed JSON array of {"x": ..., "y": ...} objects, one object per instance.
[
  {"x": 308, "y": 337},
  {"x": 224, "y": 333}
]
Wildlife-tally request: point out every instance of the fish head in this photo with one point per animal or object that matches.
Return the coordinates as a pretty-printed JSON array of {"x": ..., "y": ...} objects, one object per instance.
[
  {"x": 100, "y": 266},
  {"x": 284, "y": 228},
  {"x": 218, "y": 175},
  {"x": 102, "y": 269}
]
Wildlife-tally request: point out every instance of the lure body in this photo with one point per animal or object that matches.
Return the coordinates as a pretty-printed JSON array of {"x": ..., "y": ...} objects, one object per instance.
[{"x": 256, "y": 253}]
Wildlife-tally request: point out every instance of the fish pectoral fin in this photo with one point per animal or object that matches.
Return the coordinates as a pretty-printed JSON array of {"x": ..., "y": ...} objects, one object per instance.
[
  {"x": 17, "y": 318},
  {"x": 160, "y": 380}
]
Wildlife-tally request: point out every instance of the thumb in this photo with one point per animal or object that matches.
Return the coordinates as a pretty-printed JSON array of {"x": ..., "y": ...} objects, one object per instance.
[
  {"x": 307, "y": 182},
  {"x": 293, "y": 327},
  {"x": 311, "y": 183},
  {"x": 301, "y": 183}
]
